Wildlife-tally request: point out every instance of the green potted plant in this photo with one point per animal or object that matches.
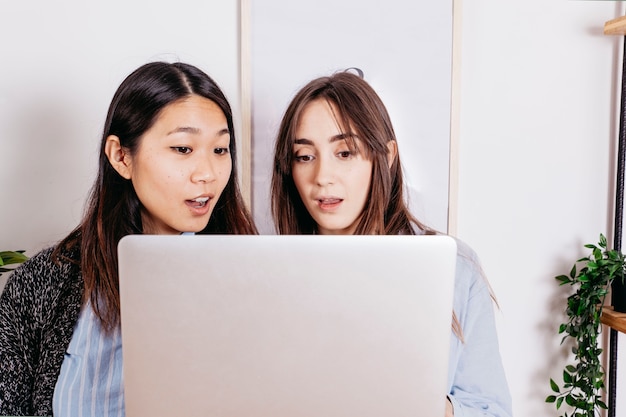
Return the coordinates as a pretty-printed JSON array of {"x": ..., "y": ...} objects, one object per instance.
[
  {"x": 591, "y": 278},
  {"x": 11, "y": 257}
]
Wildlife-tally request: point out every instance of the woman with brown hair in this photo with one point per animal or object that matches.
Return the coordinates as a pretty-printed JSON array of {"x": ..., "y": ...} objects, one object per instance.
[
  {"x": 166, "y": 166},
  {"x": 337, "y": 171}
]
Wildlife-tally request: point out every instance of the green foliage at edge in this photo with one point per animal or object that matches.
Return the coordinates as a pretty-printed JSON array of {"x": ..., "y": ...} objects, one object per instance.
[
  {"x": 583, "y": 382},
  {"x": 11, "y": 257}
]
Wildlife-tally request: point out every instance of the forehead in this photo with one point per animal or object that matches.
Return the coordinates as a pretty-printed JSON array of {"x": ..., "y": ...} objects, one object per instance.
[
  {"x": 321, "y": 116},
  {"x": 190, "y": 107}
]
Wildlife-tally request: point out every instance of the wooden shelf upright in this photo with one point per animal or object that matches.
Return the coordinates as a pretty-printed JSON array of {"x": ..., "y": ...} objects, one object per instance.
[{"x": 617, "y": 321}]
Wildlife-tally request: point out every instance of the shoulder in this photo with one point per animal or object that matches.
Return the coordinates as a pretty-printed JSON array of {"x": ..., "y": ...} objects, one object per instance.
[
  {"x": 470, "y": 277},
  {"x": 42, "y": 276},
  {"x": 46, "y": 266},
  {"x": 466, "y": 256}
]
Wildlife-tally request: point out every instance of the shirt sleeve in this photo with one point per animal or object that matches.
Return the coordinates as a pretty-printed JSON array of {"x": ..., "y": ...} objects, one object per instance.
[{"x": 477, "y": 382}]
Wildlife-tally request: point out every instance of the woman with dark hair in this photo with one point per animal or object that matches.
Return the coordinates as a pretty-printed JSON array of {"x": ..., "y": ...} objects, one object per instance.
[
  {"x": 166, "y": 166},
  {"x": 337, "y": 171}
]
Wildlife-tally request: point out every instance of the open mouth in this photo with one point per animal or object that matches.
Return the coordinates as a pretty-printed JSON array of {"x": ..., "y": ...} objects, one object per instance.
[
  {"x": 329, "y": 203},
  {"x": 329, "y": 200},
  {"x": 199, "y": 202}
]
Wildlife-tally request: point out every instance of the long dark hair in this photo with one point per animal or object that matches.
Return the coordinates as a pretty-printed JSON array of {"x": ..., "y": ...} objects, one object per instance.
[
  {"x": 360, "y": 108},
  {"x": 113, "y": 209}
]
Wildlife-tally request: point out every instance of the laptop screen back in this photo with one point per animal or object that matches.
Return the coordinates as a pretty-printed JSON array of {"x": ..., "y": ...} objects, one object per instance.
[{"x": 292, "y": 326}]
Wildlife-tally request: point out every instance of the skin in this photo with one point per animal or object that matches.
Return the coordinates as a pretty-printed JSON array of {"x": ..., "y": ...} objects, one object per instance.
[
  {"x": 449, "y": 409},
  {"x": 332, "y": 180},
  {"x": 181, "y": 166}
]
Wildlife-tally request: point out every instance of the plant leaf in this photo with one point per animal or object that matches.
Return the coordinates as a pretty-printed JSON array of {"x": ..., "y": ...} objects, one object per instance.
[
  {"x": 12, "y": 257},
  {"x": 554, "y": 386},
  {"x": 602, "y": 240},
  {"x": 559, "y": 402}
]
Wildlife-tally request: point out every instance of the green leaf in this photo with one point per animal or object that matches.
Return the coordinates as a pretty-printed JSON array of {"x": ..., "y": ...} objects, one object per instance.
[
  {"x": 567, "y": 378},
  {"x": 551, "y": 399},
  {"x": 554, "y": 386},
  {"x": 563, "y": 279},
  {"x": 572, "y": 273},
  {"x": 597, "y": 254},
  {"x": 12, "y": 257}
]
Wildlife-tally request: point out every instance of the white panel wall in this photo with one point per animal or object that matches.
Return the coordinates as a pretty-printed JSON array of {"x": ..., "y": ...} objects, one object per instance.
[
  {"x": 405, "y": 51},
  {"x": 61, "y": 63},
  {"x": 537, "y": 138}
]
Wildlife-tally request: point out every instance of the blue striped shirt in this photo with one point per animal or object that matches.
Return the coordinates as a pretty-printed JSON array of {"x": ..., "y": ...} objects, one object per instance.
[{"x": 90, "y": 382}]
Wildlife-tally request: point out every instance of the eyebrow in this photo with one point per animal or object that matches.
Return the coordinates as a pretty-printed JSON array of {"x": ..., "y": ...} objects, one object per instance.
[
  {"x": 195, "y": 130},
  {"x": 336, "y": 138}
]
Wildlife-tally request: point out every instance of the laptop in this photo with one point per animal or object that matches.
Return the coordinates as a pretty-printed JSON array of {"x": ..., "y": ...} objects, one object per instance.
[{"x": 293, "y": 326}]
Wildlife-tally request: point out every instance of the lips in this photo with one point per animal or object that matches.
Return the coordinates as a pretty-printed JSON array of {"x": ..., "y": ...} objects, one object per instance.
[
  {"x": 200, "y": 206},
  {"x": 198, "y": 202},
  {"x": 329, "y": 203}
]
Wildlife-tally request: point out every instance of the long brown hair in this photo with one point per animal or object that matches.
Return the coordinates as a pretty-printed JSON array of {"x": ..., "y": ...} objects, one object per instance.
[
  {"x": 357, "y": 107},
  {"x": 113, "y": 209}
]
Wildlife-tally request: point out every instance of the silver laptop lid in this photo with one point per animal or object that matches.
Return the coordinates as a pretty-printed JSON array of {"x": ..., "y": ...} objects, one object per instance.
[{"x": 286, "y": 325}]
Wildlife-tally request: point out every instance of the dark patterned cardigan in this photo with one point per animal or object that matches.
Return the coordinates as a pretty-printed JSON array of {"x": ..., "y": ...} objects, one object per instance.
[{"x": 39, "y": 308}]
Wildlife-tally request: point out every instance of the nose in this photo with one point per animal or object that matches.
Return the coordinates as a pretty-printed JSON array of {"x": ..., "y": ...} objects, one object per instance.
[
  {"x": 204, "y": 171},
  {"x": 325, "y": 171}
]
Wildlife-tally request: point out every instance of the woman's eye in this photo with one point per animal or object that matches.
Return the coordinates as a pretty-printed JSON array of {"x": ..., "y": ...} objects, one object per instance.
[
  {"x": 182, "y": 149},
  {"x": 304, "y": 158},
  {"x": 344, "y": 154},
  {"x": 221, "y": 151}
]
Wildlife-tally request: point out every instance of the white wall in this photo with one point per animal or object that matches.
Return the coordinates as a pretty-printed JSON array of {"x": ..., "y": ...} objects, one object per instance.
[
  {"x": 405, "y": 51},
  {"x": 537, "y": 137}
]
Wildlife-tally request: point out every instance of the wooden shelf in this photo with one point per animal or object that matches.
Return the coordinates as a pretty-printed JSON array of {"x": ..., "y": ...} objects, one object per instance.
[
  {"x": 615, "y": 26},
  {"x": 613, "y": 319}
]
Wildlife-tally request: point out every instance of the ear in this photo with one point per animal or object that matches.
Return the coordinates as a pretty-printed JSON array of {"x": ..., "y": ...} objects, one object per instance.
[
  {"x": 118, "y": 158},
  {"x": 392, "y": 147}
]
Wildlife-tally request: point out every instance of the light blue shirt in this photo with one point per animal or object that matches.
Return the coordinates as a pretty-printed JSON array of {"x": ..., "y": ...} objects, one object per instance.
[
  {"x": 90, "y": 382},
  {"x": 476, "y": 380}
]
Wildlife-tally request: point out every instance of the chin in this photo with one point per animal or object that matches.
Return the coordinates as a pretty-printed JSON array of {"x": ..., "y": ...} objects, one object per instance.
[{"x": 194, "y": 228}]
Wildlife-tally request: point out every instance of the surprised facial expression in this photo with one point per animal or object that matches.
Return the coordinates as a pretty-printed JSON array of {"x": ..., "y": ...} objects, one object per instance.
[
  {"x": 181, "y": 166},
  {"x": 332, "y": 178}
]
